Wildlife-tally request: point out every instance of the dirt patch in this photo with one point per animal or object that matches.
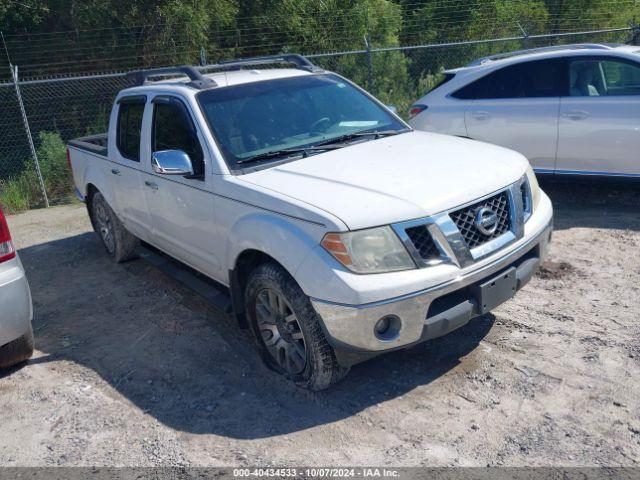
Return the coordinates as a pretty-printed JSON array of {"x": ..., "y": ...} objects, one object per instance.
[
  {"x": 551, "y": 270},
  {"x": 132, "y": 369}
]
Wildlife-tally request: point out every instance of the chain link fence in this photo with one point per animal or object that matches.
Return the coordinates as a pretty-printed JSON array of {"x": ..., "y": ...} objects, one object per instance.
[{"x": 58, "y": 109}]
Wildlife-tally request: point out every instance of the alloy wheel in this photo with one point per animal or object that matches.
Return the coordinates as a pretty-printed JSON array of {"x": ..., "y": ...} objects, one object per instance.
[
  {"x": 280, "y": 331},
  {"x": 105, "y": 227}
]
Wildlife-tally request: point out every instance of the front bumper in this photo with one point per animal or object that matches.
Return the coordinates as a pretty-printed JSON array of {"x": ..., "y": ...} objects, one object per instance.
[
  {"x": 430, "y": 312},
  {"x": 16, "y": 309}
]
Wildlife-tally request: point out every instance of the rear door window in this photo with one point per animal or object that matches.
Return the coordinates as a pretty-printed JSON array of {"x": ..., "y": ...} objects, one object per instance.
[
  {"x": 537, "y": 79},
  {"x": 129, "y": 127}
]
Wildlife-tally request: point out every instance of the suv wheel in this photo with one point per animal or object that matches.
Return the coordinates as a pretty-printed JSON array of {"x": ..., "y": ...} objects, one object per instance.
[
  {"x": 119, "y": 243},
  {"x": 287, "y": 329}
]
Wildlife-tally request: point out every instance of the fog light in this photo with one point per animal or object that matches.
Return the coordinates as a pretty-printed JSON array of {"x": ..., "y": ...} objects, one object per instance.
[
  {"x": 383, "y": 325},
  {"x": 387, "y": 328}
]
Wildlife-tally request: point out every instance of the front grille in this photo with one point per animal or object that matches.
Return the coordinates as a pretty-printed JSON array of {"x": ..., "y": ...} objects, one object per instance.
[
  {"x": 465, "y": 219},
  {"x": 422, "y": 240}
]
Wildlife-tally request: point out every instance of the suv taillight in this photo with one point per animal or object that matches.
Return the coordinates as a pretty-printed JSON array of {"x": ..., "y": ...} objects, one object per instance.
[
  {"x": 7, "y": 251},
  {"x": 416, "y": 109}
]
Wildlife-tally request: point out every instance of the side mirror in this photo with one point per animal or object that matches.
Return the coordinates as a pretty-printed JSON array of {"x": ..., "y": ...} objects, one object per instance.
[
  {"x": 393, "y": 108},
  {"x": 171, "y": 162}
]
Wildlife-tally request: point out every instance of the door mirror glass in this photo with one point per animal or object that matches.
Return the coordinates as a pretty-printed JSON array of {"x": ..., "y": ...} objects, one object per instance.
[{"x": 171, "y": 162}]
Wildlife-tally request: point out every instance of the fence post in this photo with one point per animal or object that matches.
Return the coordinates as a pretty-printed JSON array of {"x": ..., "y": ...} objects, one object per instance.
[
  {"x": 25, "y": 121},
  {"x": 525, "y": 36},
  {"x": 203, "y": 57},
  {"x": 635, "y": 33},
  {"x": 367, "y": 44}
]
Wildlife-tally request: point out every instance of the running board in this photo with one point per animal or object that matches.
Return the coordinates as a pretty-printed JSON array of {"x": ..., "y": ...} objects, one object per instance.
[{"x": 210, "y": 290}]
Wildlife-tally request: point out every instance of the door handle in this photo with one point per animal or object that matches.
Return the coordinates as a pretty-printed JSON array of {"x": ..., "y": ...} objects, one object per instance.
[
  {"x": 576, "y": 114},
  {"x": 115, "y": 171},
  {"x": 480, "y": 115},
  {"x": 151, "y": 185}
]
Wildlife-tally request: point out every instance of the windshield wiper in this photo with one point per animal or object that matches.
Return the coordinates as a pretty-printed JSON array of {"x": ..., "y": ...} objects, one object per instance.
[
  {"x": 331, "y": 144},
  {"x": 285, "y": 152},
  {"x": 366, "y": 133}
]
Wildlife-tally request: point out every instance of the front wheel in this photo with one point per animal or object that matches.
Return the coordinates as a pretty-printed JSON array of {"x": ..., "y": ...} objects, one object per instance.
[
  {"x": 287, "y": 329},
  {"x": 119, "y": 243}
]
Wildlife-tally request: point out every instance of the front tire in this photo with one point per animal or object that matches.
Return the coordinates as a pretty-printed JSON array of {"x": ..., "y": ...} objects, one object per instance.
[
  {"x": 287, "y": 329},
  {"x": 17, "y": 351},
  {"x": 119, "y": 243}
]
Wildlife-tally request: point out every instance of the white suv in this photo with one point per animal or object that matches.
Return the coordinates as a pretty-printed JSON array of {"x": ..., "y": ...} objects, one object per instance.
[{"x": 572, "y": 109}]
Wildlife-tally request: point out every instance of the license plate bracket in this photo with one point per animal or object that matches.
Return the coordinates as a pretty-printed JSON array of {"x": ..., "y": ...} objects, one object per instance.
[{"x": 496, "y": 290}]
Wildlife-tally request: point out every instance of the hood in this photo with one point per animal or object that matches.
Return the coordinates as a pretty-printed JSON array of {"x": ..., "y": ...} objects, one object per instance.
[{"x": 393, "y": 179}]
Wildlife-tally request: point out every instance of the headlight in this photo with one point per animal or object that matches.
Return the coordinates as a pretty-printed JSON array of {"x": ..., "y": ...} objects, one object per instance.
[
  {"x": 375, "y": 250},
  {"x": 535, "y": 188}
]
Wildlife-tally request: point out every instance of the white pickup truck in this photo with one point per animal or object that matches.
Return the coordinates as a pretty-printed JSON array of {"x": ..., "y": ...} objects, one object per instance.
[{"x": 338, "y": 232}]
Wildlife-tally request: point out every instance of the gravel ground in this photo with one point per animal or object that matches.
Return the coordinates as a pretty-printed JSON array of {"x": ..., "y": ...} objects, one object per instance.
[{"x": 133, "y": 369}]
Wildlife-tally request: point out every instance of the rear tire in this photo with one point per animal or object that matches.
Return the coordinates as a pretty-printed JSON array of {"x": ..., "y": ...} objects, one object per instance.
[
  {"x": 119, "y": 243},
  {"x": 287, "y": 329},
  {"x": 17, "y": 351}
]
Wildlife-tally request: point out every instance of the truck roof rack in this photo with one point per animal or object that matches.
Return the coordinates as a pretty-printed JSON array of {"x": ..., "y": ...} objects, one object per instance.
[
  {"x": 501, "y": 56},
  {"x": 297, "y": 60},
  {"x": 199, "y": 81}
]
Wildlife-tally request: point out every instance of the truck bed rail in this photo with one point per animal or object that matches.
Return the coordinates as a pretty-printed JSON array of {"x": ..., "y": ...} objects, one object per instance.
[{"x": 97, "y": 144}]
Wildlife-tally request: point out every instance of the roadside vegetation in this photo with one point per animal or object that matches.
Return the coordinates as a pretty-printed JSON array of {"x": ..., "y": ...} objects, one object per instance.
[{"x": 22, "y": 191}]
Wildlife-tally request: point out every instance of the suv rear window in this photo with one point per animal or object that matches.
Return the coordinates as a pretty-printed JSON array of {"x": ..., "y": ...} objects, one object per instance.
[{"x": 129, "y": 127}]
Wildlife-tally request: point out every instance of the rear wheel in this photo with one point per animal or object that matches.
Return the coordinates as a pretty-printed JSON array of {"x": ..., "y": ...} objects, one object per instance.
[
  {"x": 119, "y": 243},
  {"x": 17, "y": 351},
  {"x": 287, "y": 329}
]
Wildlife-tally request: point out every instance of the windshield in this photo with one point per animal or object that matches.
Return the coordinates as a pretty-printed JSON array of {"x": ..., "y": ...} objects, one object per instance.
[{"x": 257, "y": 119}]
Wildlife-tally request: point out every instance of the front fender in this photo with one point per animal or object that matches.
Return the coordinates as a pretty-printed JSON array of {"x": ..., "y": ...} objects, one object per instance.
[{"x": 287, "y": 241}]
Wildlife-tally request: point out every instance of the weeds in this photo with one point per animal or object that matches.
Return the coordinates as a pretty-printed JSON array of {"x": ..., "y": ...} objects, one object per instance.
[{"x": 22, "y": 192}]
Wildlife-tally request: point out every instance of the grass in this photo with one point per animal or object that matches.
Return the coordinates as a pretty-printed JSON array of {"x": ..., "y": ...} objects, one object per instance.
[
  {"x": 14, "y": 195},
  {"x": 23, "y": 192}
]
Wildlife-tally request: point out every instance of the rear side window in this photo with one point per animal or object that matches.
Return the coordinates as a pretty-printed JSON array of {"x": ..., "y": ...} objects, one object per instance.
[
  {"x": 538, "y": 79},
  {"x": 129, "y": 127},
  {"x": 174, "y": 130},
  {"x": 468, "y": 92}
]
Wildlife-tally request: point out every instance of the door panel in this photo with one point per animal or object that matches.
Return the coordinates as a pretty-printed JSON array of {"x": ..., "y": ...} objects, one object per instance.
[
  {"x": 599, "y": 129},
  {"x": 181, "y": 209},
  {"x": 517, "y": 107},
  {"x": 126, "y": 174},
  {"x": 183, "y": 222},
  {"x": 599, "y": 135},
  {"x": 527, "y": 125},
  {"x": 132, "y": 203}
]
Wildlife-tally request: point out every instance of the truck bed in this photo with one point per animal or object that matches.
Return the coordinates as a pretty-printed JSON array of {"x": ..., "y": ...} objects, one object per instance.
[{"x": 92, "y": 143}]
